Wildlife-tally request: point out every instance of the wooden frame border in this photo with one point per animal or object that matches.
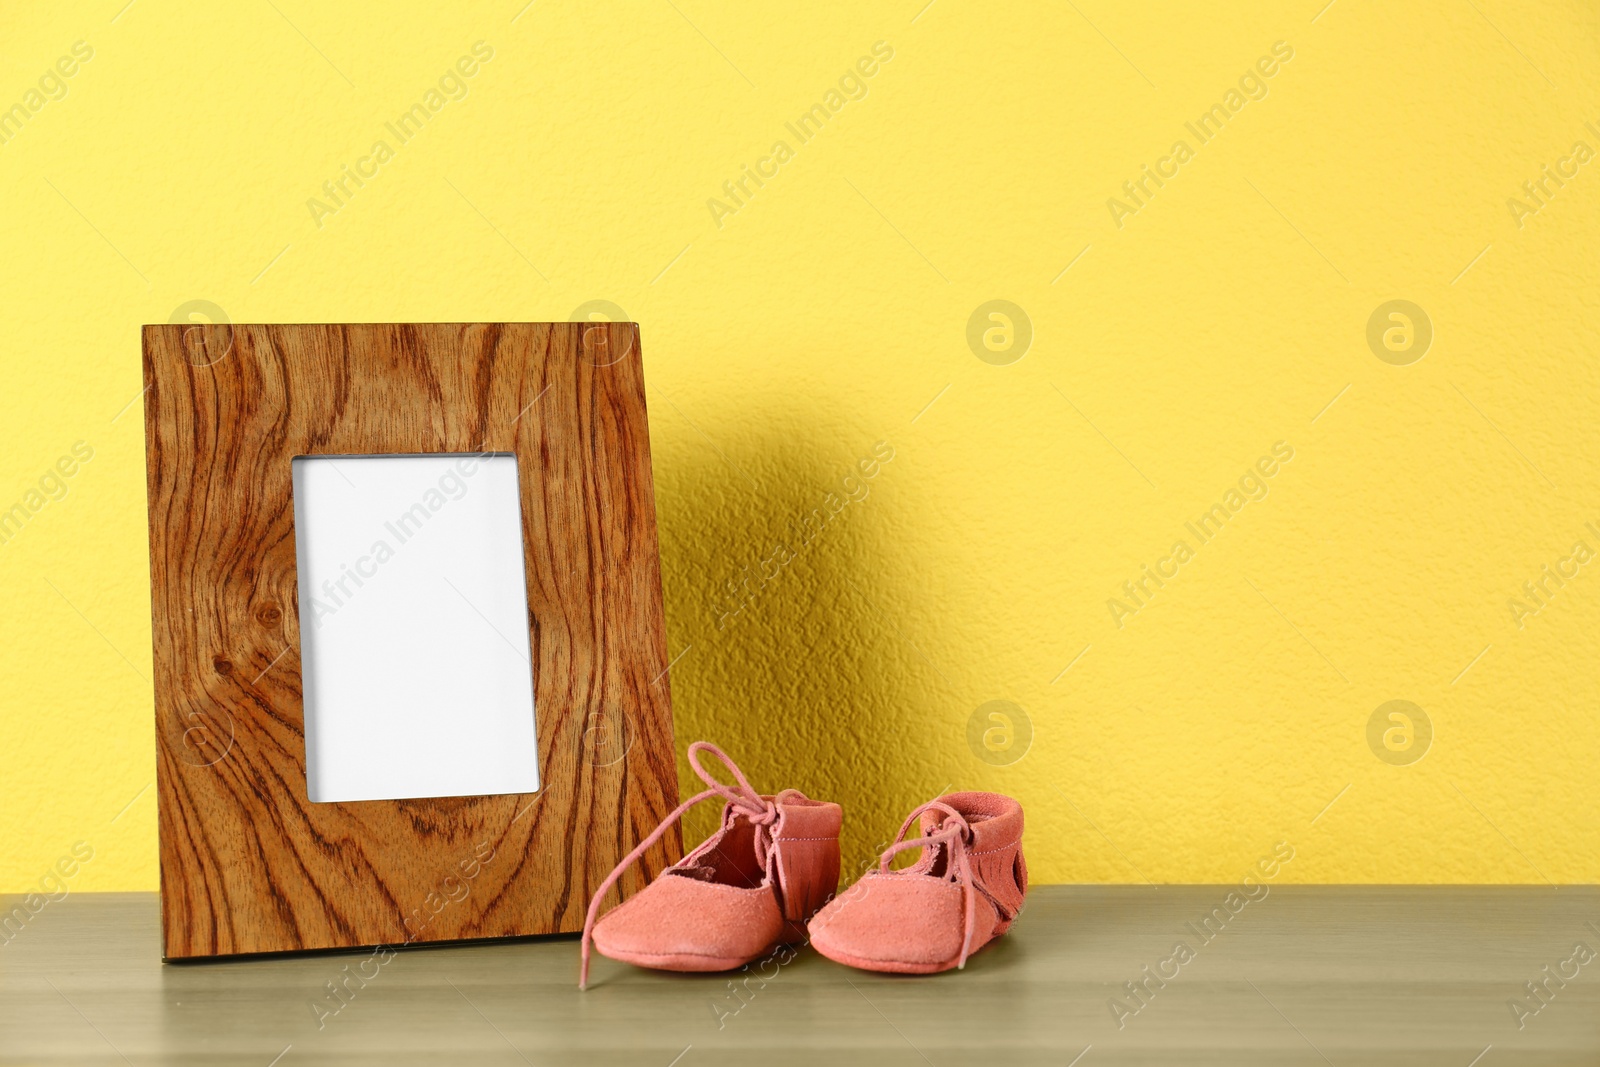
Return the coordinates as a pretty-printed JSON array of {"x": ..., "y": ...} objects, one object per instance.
[{"x": 248, "y": 864}]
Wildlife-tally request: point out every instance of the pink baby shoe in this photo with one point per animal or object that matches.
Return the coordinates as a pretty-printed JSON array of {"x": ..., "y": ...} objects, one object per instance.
[
  {"x": 961, "y": 894},
  {"x": 746, "y": 889}
]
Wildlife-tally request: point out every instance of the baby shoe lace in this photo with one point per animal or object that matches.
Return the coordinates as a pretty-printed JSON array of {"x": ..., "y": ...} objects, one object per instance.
[
  {"x": 763, "y": 813},
  {"x": 953, "y": 834}
]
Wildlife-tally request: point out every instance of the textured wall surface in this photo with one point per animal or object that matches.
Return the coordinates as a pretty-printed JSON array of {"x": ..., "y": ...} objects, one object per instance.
[{"x": 908, "y": 533}]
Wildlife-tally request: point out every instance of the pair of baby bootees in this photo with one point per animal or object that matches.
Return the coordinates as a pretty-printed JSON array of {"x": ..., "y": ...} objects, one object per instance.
[{"x": 767, "y": 878}]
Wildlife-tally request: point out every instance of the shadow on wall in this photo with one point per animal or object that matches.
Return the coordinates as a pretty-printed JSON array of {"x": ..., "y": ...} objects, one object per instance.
[{"x": 787, "y": 601}]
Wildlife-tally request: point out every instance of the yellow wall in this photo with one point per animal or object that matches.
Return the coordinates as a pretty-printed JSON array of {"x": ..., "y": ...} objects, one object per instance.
[{"x": 1173, "y": 346}]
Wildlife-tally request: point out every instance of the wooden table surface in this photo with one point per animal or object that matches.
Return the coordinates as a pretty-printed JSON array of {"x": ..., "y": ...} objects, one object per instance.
[{"x": 1306, "y": 975}]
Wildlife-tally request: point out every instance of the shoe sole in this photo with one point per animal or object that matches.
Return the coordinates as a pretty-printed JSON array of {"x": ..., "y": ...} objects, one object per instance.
[
  {"x": 864, "y": 963},
  {"x": 699, "y": 963},
  {"x": 861, "y": 963},
  {"x": 682, "y": 961}
]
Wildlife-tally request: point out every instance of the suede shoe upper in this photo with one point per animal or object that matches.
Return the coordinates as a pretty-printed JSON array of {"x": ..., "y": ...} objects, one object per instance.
[
  {"x": 747, "y": 888},
  {"x": 963, "y": 891}
]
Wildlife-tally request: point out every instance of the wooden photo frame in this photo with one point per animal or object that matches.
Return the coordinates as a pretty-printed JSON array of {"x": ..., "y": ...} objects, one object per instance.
[{"x": 249, "y": 864}]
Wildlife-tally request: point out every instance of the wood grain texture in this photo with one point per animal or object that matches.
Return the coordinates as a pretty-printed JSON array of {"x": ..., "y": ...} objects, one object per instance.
[{"x": 248, "y": 863}]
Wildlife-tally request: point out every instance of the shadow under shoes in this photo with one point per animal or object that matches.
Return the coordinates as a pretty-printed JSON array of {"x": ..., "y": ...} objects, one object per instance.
[
  {"x": 746, "y": 889},
  {"x": 962, "y": 893}
]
